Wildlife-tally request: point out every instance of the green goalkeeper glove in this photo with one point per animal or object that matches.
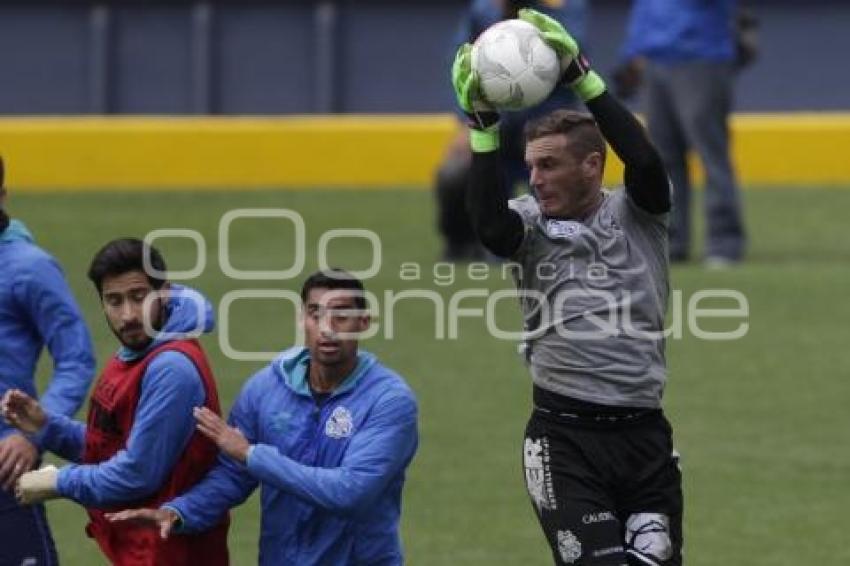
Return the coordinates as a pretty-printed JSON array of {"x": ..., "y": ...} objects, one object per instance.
[
  {"x": 575, "y": 68},
  {"x": 483, "y": 120}
]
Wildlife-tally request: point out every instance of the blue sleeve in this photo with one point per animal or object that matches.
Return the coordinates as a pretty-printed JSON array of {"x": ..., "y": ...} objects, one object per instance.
[
  {"x": 376, "y": 453},
  {"x": 63, "y": 436},
  {"x": 228, "y": 484},
  {"x": 636, "y": 29},
  {"x": 163, "y": 426},
  {"x": 48, "y": 299}
]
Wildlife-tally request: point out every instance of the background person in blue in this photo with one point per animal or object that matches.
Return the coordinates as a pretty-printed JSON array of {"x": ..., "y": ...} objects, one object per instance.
[
  {"x": 171, "y": 385},
  {"x": 452, "y": 180},
  {"x": 688, "y": 51},
  {"x": 328, "y": 433},
  {"x": 36, "y": 309}
]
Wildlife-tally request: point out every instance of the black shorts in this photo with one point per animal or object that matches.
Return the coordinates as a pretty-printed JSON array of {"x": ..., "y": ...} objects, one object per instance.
[{"x": 606, "y": 486}]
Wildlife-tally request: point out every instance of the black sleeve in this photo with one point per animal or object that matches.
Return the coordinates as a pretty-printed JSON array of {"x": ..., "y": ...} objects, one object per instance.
[
  {"x": 645, "y": 177},
  {"x": 498, "y": 227}
]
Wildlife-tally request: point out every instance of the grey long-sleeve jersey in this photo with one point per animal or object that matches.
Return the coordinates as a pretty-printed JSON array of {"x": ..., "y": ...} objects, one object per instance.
[
  {"x": 593, "y": 291},
  {"x": 593, "y": 297}
]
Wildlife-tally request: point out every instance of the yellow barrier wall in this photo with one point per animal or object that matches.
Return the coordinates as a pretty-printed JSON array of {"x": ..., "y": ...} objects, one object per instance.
[{"x": 344, "y": 151}]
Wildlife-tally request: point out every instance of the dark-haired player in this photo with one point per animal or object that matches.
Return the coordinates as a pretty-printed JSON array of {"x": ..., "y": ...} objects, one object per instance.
[{"x": 139, "y": 446}]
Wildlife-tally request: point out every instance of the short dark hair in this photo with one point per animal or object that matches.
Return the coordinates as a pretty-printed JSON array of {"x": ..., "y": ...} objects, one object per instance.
[
  {"x": 334, "y": 279},
  {"x": 122, "y": 256},
  {"x": 579, "y": 127}
]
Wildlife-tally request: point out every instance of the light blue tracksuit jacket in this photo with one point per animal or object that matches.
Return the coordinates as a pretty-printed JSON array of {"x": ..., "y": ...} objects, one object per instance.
[{"x": 331, "y": 475}]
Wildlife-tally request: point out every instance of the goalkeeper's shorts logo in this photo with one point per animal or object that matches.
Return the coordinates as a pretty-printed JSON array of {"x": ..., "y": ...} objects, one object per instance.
[
  {"x": 538, "y": 478},
  {"x": 569, "y": 547}
]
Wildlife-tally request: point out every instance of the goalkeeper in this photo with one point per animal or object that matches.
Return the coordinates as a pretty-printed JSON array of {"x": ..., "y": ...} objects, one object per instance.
[{"x": 598, "y": 455}]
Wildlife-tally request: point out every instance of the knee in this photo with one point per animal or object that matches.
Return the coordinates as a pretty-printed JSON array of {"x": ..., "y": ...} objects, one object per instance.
[{"x": 648, "y": 539}]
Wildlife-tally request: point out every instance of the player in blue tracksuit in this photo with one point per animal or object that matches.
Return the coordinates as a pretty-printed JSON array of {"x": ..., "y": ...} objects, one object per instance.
[
  {"x": 328, "y": 433},
  {"x": 136, "y": 438},
  {"x": 37, "y": 309},
  {"x": 163, "y": 424}
]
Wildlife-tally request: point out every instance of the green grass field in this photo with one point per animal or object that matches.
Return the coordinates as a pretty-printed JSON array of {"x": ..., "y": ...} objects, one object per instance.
[{"x": 762, "y": 422}]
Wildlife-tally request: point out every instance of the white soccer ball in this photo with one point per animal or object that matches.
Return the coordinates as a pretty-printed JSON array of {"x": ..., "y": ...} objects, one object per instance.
[{"x": 516, "y": 67}]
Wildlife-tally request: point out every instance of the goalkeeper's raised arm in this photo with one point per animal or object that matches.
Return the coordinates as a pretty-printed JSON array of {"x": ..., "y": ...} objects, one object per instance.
[
  {"x": 645, "y": 179},
  {"x": 498, "y": 228}
]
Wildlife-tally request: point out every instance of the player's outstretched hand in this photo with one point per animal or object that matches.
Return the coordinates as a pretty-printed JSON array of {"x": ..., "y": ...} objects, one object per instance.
[
  {"x": 17, "y": 456},
  {"x": 22, "y": 411},
  {"x": 575, "y": 68},
  {"x": 467, "y": 85},
  {"x": 229, "y": 440},
  {"x": 162, "y": 519}
]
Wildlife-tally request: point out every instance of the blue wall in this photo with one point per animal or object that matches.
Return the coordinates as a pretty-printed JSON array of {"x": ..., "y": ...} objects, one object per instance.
[{"x": 296, "y": 56}]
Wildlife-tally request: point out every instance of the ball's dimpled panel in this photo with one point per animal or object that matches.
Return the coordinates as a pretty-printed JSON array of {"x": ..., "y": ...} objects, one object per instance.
[{"x": 545, "y": 64}]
